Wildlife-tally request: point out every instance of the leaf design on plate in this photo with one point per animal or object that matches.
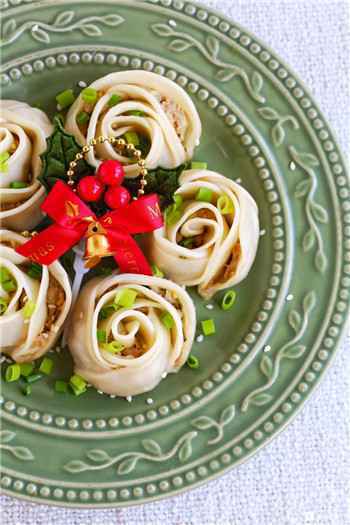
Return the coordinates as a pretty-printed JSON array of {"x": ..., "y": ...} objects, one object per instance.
[
  {"x": 185, "y": 451},
  {"x": 224, "y": 75},
  {"x": 268, "y": 113},
  {"x": 40, "y": 35},
  {"x": 151, "y": 446},
  {"x": 294, "y": 352},
  {"x": 98, "y": 455},
  {"x": 127, "y": 465},
  {"x": 278, "y": 135},
  {"x": 162, "y": 30},
  {"x": 227, "y": 415},
  {"x": 302, "y": 188},
  {"x": 64, "y": 18},
  {"x": 266, "y": 366},
  {"x": 8, "y": 28},
  {"x": 294, "y": 320},
  {"x": 76, "y": 466},
  {"x": 22, "y": 453},
  {"x": 257, "y": 82},
  {"x": 309, "y": 301},
  {"x": 213, "y": 45},
  {"x": 202, "y": 422},
  {"x": 261, "y": 399},
  {"x": 6, "y": 436},
  {"x": 320, "y": 261},
  {"x": 112, "y": 20},
  {"x": 320, "y": 214},
  {"x": 308, "y": 240},
  {"x": 179, "y": 45},
  {"x": 91, "y": 30}
]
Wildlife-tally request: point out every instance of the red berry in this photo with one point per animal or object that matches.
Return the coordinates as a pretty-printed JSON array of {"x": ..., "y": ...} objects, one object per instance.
[
  {"x": 90, "y": 188},
  {"x": 111, "y": 172},
  {"x": 117, "y": 197}
]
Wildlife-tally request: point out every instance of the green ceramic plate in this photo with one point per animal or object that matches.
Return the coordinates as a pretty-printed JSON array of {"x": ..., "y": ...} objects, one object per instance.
[{"x": 260, "y": 125}]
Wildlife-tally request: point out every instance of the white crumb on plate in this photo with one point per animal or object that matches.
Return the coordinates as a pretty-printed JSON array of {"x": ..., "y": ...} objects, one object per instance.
[
  {"x": 112, "y": 396},
  {"x": 238, "y": 181},
  {"x": 149, "y": 401},
  {"x": 82, "y": 84},
  {"x": 290, "y": 297},
  {"x": 164, "y": 374},
  {"x": 2, "y": 359},
  {"x": 209, "y": 306},
  {"x": 129, "y": 398},
  {"x": 100, "y": 391},
  {"x": 262, "y": 232},
  {"x": 172, "y": 23},
  {"x": 200, "y": 338},
  {"x": 267, "y": 348},
  {"x": 292, "y": 166}
]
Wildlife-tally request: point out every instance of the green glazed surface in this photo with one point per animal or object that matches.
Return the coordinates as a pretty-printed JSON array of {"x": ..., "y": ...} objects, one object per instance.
[{"x": 269, "y": 352}]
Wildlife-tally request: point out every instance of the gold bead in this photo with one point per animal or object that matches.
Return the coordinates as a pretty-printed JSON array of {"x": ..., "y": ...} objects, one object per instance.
[
  {"x": 130, "y": 147},
  {"x": 141, "y": 192},
  {"x": 143, "y": 182},
  {"x": 137, "y": 153},
  {"x": 142, "y": 163},
  {"x": 73, "y": 164},
  {"x": 143, "y": 172},
  {"x": 112, "y": 140},
  {"x": 93, "y": 142},
  {"x": 101, "y": 140},
  {"x": 120, "y": 142},
  {"x": 25, "y": 233},
  {"x": 70, "y": 173},
  {"x": 79, "y": 156},
  {"x": 70, "y": 182},
  {"x": 85, "y": 149}
]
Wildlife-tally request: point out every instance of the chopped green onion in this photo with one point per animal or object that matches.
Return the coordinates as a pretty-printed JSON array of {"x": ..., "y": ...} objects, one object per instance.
[
  {"x": 4, "y": 156},
  {"x": 12, "y": 373},
  {"x": 135, "y": 113},
  {"x": 167, "y": 320},
  {"x": 35, "y": 270},
  {"x": 3, "y": 305},
  {"x": 156, "y": 271},
  {"x": 125, "y": 297},
  {"x": 106, "y": 311},
  {"x": 228, "y": 300},
  {"x": 65, "y": 98},
  {"x": 204, "y": 195},
  {"x": 224, "y": 205},
  {"x": 192, "y": 361},
  {"x": 115, "y": 99},
  {"x": 4, "y": 274},
  {"x": 187, "y": 242},
  {"x": 26, "y": 369},
  {"x": 28, "y": 309},
  {"x": 77, "y": 384},
  {"x": 199, "y": 165},
  {"x": 4, "y": 167},
  {"x": 102, "y": 336},
  {"x": 34, "y": 378},
  {"x": 61, "y": 386},
  {"x": 114, "y": 347},
  {"x": 132, "y": 137},
  {"x": 178, "y": 201},
  {"x": 9, "y": 286},
  {"x": 89, "y": 95},
  {"x": 26, "y": 390},
  {"x": 208, "y": 327},
  {"x": 83, "y": 118},
  {"x": 46, "y": 366},
  {"x": 77, "y": 391},
  {"x": 18, "y": 185},
  {"x": 172, "y": 215}
]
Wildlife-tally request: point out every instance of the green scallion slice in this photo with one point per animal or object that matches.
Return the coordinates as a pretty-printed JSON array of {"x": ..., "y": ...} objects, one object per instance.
[
  {"x": 18, "y": 185},
  {"x": 4, "y": 167},
  {"x": 77, "y": 381},
  {"x": 9, "y": 286},
  {"x": 4, "y": 156},
  {"x": 172, "y": 215},
  {"x": 28, "y": 309},
  {"x": 228, "y": 300},
  {"x": 132, "y": 137},
  {"x": 46, "y": 366},
  {"x": 187, "y": 242},
  {"x": 192, "y": 361},
  {"x": 34, "y": 378},
  {"x": 208, "y": 327},
  {"x": 125, "y": 297},
  {"x": 197, "y": 165},
  {"x": 114, "y": 100},
  {"x": 102, "y": 336},
  {"x": 136, "y": 113},
  {"x": 77, "y": 391},
  {"x": 26, "y": 369},
  {"x": 156, "y": 271},
  {"x": 167, "y": 320},
  {"x": 225, "y": 205},
  {"x": 89, "y": 95},
  {"x": 35, "y": 270},
  {"x": 61, "y": 386},
  {"x": 4, "y": 274},
  {"x": 106, "y": 311},
  {"x": 178, "y": 201},
  {"x": 65, "y": 98},
  {"x": 82, "y": 118},
  {"x": 204, "y": 195},
  {"x": 26, "y": 390},
  {"x": 113, "y": 348},
  {"x": 13, "y": 372},
  {"x": 3, "y": 305}
]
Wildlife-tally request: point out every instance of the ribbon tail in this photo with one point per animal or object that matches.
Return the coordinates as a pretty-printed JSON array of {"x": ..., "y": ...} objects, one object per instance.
[
  {"x": 127, "y": 253},
  {"x": 48, "y": 245}
]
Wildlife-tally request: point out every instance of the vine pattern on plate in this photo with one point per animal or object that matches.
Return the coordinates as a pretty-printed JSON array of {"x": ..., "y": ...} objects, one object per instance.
[
  {"x": 278, "y": 133},
  {"x": 315, "y": 213},
  {"x": 23, "y": 453},
  {"x": 63, "y": 23},
  {"x": 271, "y": 368},
  {"x": 182, "y": 449},
  {"x": 210, "y": 50}
]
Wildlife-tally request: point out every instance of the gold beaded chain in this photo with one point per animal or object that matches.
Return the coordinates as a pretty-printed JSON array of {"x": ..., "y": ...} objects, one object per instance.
[{"x": 120, "y": 145}]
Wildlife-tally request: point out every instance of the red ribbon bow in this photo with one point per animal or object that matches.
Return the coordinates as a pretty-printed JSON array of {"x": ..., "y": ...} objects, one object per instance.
[{"x": 74, "y": 220}]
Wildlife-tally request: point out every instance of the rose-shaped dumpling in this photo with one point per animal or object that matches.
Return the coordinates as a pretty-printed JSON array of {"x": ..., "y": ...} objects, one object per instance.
[
  {"x": 23, "y": 132},
  {"x": 210, "y": 236},
  {"x": 34, "y": 302},
  {"x": 128, "y": 330},
  {"x": 149, "y": 110}
]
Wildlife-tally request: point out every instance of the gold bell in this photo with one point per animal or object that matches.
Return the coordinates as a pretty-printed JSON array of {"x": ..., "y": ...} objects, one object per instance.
[{"x": 97, "y": 245}]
